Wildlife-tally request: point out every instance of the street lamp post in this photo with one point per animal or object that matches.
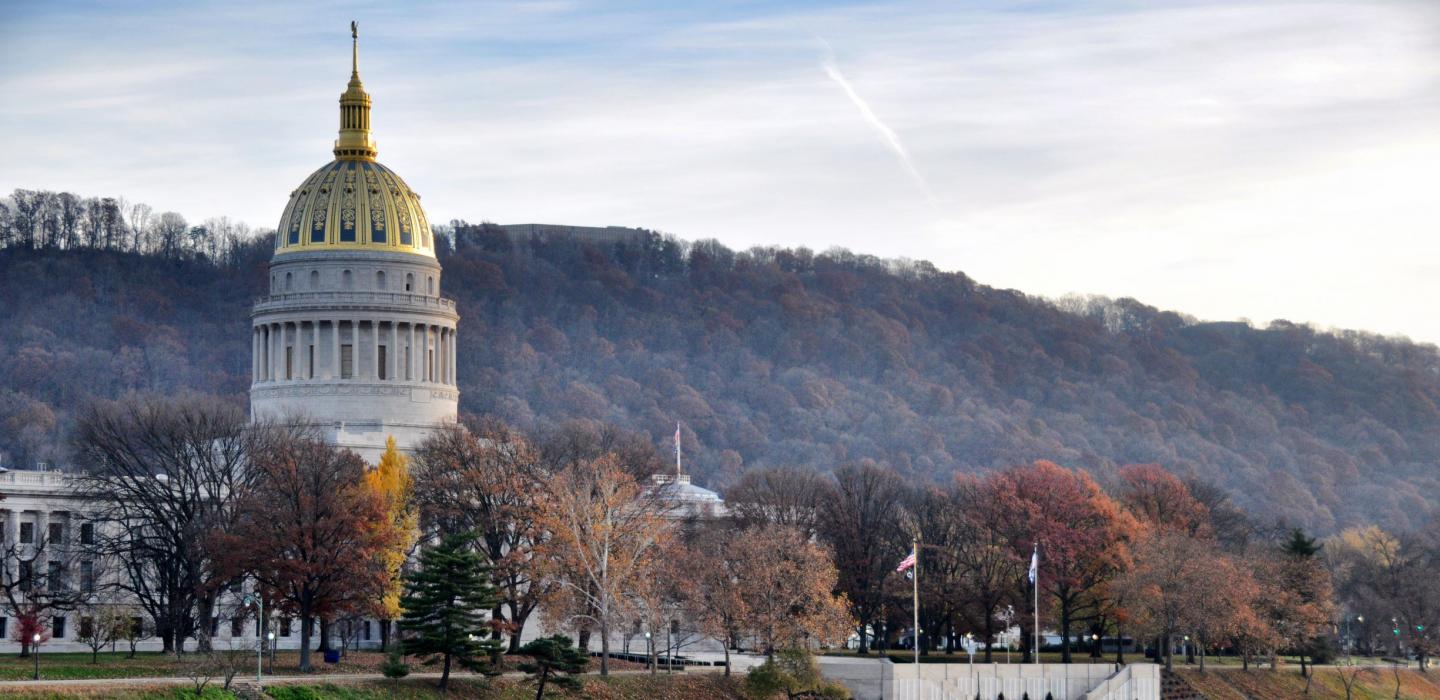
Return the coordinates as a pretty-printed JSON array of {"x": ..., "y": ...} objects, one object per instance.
[
  {"x": 650, "y": 652},
  {"x": 35, "y": 652},
  {"x": 271, "y": 636},
  {"x": 252, "y": 599}
]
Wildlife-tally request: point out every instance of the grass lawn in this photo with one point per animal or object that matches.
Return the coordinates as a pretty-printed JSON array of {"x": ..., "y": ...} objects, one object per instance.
[
  {"x": 77, "y": 666},
  {"x": 1285, "y": 684}
]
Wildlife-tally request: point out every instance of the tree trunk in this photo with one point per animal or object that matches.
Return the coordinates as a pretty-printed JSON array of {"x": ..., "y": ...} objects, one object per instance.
[
  {"x": 324, "y": 635},
  {"x": 540, "y": 687},
  {"x": 864, "y": 638},
  {"x": 306, "y": 625},
  {"x": 1169, "y": 653},
  {"x": 989, "y": 634},
  {"x": 604, "y": 645},
  {"x": 1119, "y": 646},
  {"x": 727, "y": 659},
  {"x": 1064, "y": 633},
  {"x": 385, "y": 635},
  {"x": 445, "y": 674}
]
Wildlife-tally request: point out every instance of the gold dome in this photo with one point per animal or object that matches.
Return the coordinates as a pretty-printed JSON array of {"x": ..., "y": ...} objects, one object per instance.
[{"x": 354, "y": 202}]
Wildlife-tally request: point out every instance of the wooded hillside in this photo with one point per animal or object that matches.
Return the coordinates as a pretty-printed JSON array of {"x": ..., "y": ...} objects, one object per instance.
[{"x": 778, "y": 356}]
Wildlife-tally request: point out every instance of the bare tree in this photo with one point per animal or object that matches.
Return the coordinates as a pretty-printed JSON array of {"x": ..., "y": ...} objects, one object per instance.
[
  {"x": 36, "y": 580},
  {"x": 788, "y": 496},
  {"x": 162, "y": 473}
]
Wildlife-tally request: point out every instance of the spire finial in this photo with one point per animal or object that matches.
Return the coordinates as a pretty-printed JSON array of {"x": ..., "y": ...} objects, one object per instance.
[{"x": 355, "y": 141}]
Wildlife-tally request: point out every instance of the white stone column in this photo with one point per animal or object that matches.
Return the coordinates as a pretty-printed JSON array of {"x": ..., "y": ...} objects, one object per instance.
[
  {"x": 254, "y": 352},
  {"x": 355, "y": 349},
  {"x": 335, "y": 349},
  {"x": 410, "y": 367},
  {"x": 454, "y": 357},
  {"x": 270, "y": 350},
  {"x": 393, "y": 361}
]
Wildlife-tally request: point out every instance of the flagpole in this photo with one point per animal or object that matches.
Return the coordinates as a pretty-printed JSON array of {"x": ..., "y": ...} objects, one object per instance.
[
  {"x": 1035, "y": 556},
  {"x": 915, "y": 580}
]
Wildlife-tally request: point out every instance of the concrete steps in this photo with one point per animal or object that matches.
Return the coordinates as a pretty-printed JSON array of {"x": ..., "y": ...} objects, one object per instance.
[{"x": 1173, "y": 687}]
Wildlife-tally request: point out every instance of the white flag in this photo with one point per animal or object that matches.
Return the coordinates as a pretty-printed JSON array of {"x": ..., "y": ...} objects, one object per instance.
[{"x": 1034, "y": 564}]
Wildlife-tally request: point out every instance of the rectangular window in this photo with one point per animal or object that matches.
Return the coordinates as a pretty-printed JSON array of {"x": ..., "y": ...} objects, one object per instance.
[
  {"x": 430, "y": 366},
  {"x": 87, "y": 576},
  {"x": 380, "y": 363},
  {"x": 289, "y": 362},
  {"x": 214, "y": 627},
  {"x": 56, "y": 533},
  {"x": 87, "y": 627},
  {"x": 87, "y": 533},
  {"x": 237, "y": 627},
  {"x": 55, "y": 576},
  {"x": 310, "y": 363},
  {"x": 409, "y": 371},
  {"x": 4, "y": 625},
  {"x": 347, "y": 362},
  {"x": 27, "y": 533},
  {"x": 284, "y": 627},
  {"x": 27, "y": 575},
  {"x": 137, "y": 626},
  {"x": 59, "y": 632},
  {"x": 364, "y": 630}
]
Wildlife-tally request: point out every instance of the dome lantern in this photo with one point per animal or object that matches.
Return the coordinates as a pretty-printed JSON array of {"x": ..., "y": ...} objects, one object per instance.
[{"x": 355, "y": 141}]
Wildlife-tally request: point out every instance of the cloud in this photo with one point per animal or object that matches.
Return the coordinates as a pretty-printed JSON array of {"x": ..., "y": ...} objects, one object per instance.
[{"x": 1066, "y": 147}]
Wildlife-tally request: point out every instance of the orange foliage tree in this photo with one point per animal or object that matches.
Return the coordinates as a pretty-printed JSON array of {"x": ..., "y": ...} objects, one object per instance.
[{"x": 606, "y": 532}]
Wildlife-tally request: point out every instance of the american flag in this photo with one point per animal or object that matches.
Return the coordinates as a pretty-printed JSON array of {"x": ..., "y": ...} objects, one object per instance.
[{"x": 907, "y": 562}]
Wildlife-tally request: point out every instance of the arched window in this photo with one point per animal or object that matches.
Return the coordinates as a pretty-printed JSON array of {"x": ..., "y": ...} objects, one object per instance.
[
  {"x": 409, "y": 282},
  {"x": 430, "y": 285},
  {"x": 314, "y": 280},
  {"x": 288, "y": 279},
  {"x": 379, "y": 279},
  {"x": 345, "y": 281}
]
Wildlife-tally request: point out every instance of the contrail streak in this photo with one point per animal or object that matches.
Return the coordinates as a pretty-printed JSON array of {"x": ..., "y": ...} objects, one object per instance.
[{"x": 891, "y": 138}]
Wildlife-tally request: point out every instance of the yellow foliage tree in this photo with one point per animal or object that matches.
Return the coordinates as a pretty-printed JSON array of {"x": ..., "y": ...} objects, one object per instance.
[{"x": 391, "y": 481}]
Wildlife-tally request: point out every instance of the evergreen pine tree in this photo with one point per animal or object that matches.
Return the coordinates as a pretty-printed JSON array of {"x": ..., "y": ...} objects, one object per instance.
[
  {"x": 444, "y": 604},
  {"x": 1301, "y": 546},
  {"x": 551, "y": 656}
]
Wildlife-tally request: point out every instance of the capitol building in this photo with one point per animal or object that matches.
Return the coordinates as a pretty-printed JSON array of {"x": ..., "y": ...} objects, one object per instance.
[{"x": 353, "y": 336}]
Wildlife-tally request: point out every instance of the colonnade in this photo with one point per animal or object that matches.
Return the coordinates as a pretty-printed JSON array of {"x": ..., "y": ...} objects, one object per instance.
[{"x": 299, "y": 350}]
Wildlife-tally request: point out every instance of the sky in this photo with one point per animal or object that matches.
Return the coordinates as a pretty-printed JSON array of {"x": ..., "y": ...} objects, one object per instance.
[{"x": 1228, "y": 160}]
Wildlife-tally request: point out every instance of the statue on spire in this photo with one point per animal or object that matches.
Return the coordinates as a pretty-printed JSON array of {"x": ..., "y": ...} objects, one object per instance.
[{"x": 354, "y": 30}]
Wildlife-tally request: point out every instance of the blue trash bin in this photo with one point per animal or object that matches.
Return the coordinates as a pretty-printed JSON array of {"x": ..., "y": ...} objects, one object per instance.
[{"x": 332, "y": 656}]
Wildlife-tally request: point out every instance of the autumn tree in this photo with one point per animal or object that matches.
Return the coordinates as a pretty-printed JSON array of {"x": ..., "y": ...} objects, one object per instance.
[
  {"x": 1161, "y": 500},
  {"x": 1082, "y": 535},
  {"x": 787, "y": 583},
  {"x": 443, "y": 604},
  {"x": 487, "y": 481},
  {"x": 1171, "y": 588},
  {"x": 390, "y": 483},
  {"x": 711, "y": 593},
  {"x": 861, "y": 524},
  {"x": 605, "y": 533},
  {"x": 1295, "y": 593},
  {"x": 307, "y": 532}
]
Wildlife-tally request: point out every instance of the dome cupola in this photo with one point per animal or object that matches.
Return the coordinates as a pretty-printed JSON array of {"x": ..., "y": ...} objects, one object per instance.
[{"x": 354, "y": 202}]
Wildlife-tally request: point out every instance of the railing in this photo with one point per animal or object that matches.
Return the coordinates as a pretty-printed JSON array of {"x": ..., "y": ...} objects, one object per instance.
[
  {"x": 407, "y": 299},
  {"x": 27, "y": 478},
  {"x": 1133, "y": 682}
]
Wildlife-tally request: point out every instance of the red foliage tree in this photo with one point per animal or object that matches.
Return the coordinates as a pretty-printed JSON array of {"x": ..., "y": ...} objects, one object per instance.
[
  {"x": 307, "y": 531},
  {"x": 1081, "y": 532}
]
